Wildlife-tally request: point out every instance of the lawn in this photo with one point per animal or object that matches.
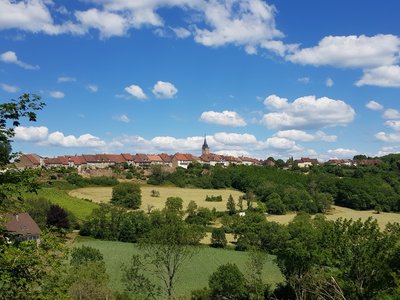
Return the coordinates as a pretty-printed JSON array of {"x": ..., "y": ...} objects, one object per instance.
[
  {"x": 194, "y": 274},
  {"x": 103, "y": 194},
  {"x": 345, "y": 213},
  {"x": 80, "y": 208}
]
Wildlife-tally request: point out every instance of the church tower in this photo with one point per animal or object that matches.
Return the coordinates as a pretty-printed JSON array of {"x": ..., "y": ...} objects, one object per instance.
[{"x": 204, "y": 149}]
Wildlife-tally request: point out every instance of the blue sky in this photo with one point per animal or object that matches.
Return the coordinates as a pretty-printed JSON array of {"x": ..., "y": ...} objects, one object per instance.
[{"x": 260, "y": 78}]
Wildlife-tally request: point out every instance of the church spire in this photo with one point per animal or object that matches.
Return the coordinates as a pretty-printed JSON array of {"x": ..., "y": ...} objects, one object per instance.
[{"x": 205, "y": 149}]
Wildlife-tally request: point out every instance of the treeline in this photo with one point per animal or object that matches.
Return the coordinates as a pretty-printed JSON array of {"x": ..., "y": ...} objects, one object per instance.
[{"x": 362, "y": 187}]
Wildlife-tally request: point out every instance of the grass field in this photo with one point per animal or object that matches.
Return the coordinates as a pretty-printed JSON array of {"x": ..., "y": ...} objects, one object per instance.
[
  {"x": 103, "y": 194},
  {"x": 194, "y": 274},
  {"x": 345, "y": 213},
  {"x": 80, "y": 208}
]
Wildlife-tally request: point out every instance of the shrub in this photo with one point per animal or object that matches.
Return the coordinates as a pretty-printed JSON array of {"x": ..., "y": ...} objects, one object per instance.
[
  {"x": 214, "y": 198},
  {"x": 218, "y": 238},
  {"x": 154, "y": 193},
  {"x": 127, "y": 194},
  {"x": 58, "y": 217}
]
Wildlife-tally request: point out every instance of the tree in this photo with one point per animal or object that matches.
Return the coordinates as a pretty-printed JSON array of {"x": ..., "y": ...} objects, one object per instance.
[
  {"x": 174, "y": 204},
  {"x": 230, "y": 205},
  {"x": 58, "y": 217},
  {"x": 84, "y": 255},
  {"x": 275, "y": 205},
  {"x": 218, "y": 238},
  {"x": 168, "y": 246},
  {"x": 254, "y": 277},
  {"x": 127, "y": 194},
  {"x": 227, "y": 283},
  {"x": 191, "y": 208}
]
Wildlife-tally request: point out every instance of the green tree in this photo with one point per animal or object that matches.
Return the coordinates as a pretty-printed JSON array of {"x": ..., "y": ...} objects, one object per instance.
[
  {"x": 256, "y": 286},
  {"x": 84, "y": 255},
  {"x": 127, "y": 194},
  {"x": 58, "y": 217},
  {"x": 275, "y": 205},
  {"x": 191, "y": 208},
  {"x": 174, "y": 204},
  {"x": 218, "y": 238},
  {"x": 227, "y": 283},
  {"x": 230, "y": 205}
]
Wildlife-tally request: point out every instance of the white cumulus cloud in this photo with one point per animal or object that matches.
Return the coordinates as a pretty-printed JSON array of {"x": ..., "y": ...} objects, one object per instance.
[
  {"x": 280, "y": 143},
  {"x": 383, "y": 76},
  {"x": 10, "y": 57},
  {"x": 164, "y": 90},
  {"x": 57, "y": 94},
  {"x": 225, "y": 118},
  {"x": 394, "y": 124},
  {"x": 66, "y": 79},
  {"x": 373, "y": 105},
  {"x": 234, "y": 138},
  {"x": 31, "y": 133},
  {"x": 342, "y": 153},
  {"x": 307, "y": 112},
  {"x": 391, "y": 113},
  {"x": 388, "y": 137},
  {"x": 136, "y": 91},
  {"x": 9, "y": 88},
  {"x": 93, "y": 88},
  {"x": 300, "y": 135},
  {"x": 122, "y": 118}
]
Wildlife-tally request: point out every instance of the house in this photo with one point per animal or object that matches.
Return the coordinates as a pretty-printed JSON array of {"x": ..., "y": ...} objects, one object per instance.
[
  {"x": 155, "y": 159},
  {"x": 268, "y": 163},
  {"x": 21, "y": 227},
  {"x": 77, "y": 161},
  {"x": 99, "y": 161},
  {"x": 115, "y": 159},
  {"x": 128, "y": 158},
  {"x": 167, "y": 159},
  {"x": 213, "y": 159},
  {"x": 59, "y": 161},
  {"x": 29, "y": 161},
  {"x": 182, "y": 160},
  {"x": 306, "y": 162},
  {"x": 340, "y": 162},
  {"x": 232, "y": 160},
  {"x": 248, "y": 161},
  {"x": 141, "y": 161}
]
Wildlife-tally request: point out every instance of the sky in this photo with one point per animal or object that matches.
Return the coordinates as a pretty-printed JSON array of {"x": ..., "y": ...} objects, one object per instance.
[{"x": 277, "y": 78}]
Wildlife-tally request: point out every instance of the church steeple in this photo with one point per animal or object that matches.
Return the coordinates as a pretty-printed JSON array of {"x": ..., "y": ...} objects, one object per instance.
[{"x": 205, "y": 149}]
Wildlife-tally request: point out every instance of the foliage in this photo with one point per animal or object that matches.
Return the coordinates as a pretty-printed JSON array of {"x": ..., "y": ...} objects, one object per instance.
[
  {"x": 38, "y": 208},
  {"x": 127, "y": 194},
  {"x": 78, "y": 180},
  {"x": 58, "y": 217},
  {"x": 174, "y": 204},
  {"x": 231, "y": 205},
  {"x": 84, "y": 255},
  {"x": 214, "y": 198},
  {"x": 154, "y": 193},
  {"x": 218, "y": 238},
  {"x": 227, "y": 283}
]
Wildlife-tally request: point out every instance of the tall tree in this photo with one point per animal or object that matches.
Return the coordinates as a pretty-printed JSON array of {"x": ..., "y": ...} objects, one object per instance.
[{"x": 230, "y": 205}]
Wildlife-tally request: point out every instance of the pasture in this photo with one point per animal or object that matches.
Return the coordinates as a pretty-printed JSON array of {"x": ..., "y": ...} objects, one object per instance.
[
  {"x": 194, "y": 273},
  {"x": 337, "y": 212},
  {"x": 80, "y": 208},
  {"x": 103, "y": 195}
]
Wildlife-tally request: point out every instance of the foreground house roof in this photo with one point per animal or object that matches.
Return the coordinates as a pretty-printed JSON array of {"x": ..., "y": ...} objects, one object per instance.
[{"x": 21, "y": 224}]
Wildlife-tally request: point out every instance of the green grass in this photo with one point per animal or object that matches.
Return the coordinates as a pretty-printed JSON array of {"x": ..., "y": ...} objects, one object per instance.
[
  {"x": 194, "y": 274},
  {"x": 80, "y": 208}
]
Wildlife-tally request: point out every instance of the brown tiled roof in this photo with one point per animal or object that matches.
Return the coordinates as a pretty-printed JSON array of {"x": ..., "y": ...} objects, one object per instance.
[
  {"x": 127, "y": 156},
  {"x": 21, "y": 224},
  {"x": 115, "y": 158},
  {"x": 77, "y": 160},
  {"x": 96, "y": 158},
  {"x": 211, "y": 157},
  {"x": 185, "y": 157},
  {"x": 253, "y": 160},
  {"x": 232, "y": 159},
  {"x": 59, "y": 160},
  {"x": 154, "y": 158},
  {"x": 140, "y": 158},
  {"x": 34, "y": 158},
  {"x": 166, "y": 157}
]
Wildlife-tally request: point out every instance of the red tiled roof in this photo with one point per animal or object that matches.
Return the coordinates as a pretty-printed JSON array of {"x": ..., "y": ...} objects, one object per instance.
[
  {"x": 185, "y": 157},
  {"x": 34, "y": 158},
  {"x": 127, "y": 156},
  {"x": 140, "y": 158},
  {"x": 59, "y": 160},
  {"x": 115, "y": 158},
  {"x": 96, "y": 158},
  {"x": 211, "y": 157},
  {"x": 154, "y": 158},
  {"x": 253, "y": 160},
  {"x": 77, "y": 160},
  {"x": 165, "y": 157},
  {"x": 21, "y": 224}
]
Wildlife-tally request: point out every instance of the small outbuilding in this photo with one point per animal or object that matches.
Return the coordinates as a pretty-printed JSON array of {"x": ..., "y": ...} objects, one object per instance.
[{"x": 21, "y": 227}]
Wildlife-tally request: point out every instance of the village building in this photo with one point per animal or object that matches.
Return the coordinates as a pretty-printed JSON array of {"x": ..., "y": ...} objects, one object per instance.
[
  {"x": 141, "y": 161},
  {"x": 205, "y": 150},
  {"x": 306, "y": 162},
  {"x": 29, "y": 161},
  {"x": 21, "y": 227},
  {"x": 155, "y": 159},
  {"x": 182, "y": 160},
  {"x": 167, "y": 159}
]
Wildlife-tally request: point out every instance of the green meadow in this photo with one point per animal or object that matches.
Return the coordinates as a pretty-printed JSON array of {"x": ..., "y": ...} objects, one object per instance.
[{"x": 194, "y": 273}]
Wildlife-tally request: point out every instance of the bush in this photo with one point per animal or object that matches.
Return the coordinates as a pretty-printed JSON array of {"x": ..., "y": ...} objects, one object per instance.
[
  {"x": 127, "y": 194},
  {"x": 58, "y": 217},
  {"x": 227, "y": 283},
  {"x": 218, "y": 238},
  {"x": 84, "y": 255},
  {"x": 154, "y": 193},
  {"x": 214, "y": 198},
  {"x": 129, "y": 175}
]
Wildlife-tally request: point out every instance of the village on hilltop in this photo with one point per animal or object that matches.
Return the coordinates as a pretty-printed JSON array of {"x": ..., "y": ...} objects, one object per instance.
[{"x": 102, "y": 161}]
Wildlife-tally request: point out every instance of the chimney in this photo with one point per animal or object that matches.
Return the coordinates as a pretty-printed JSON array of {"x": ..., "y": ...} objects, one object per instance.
[{"x": 16, "y": 217}]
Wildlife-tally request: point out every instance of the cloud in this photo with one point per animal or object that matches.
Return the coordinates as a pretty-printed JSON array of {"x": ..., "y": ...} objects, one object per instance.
[
  {"x": 93, "y": 88},
  {"x": 31, "y": 133},
  {"x": 57, "y": 94},
  {"x": 384, "y": 76},
  {"x": 237, "y": 22},
  {"x": 181, "y": 32},
  {"x": 388, "y": 137},
  {"x": 342, "y": 153},
  {"x": 393, "y": 124},
  {"x": 136, "y": 91},
  {"x": 66, "y": 79},
  {"x": 307, "y": 112},
  {"x": 10, "y": 57},
  {"x": 391, "y": 114},
  {"x": 235, "y": 138},
  {"x": 305, "y": 80},
  {"x": 225, "y": 118},
  {"x": 165, "y": 90},
  {"x": 41, "y": 136},
  {"x": 373, "y": 105},
  {"x": 122, "y": 118},
  {"x": 350, "y": 52},
  {"x": 9, "y": 88},
  {"x": 329, "y": 82},
  {"x": 274, "y": 102},
  {"x": 299, "y": 135},
  {"x": 280, "y": 143}
]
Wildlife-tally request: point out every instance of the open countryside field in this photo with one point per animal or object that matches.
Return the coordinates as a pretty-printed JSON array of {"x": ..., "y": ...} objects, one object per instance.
[
  {"x": 80, "y": 208},
  {"x": 103, "y": 195},
  {"x": 346, "y": 213},
  {"x": 194, "y": 274}
]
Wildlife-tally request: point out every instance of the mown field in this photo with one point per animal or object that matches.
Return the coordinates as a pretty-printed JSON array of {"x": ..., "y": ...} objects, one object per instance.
[
  {"x": 337, "y": 212},
  {"x": 80, "y": 208},
  {"x": 194, "y": 274},
  {"x": 103, "y": 194}
]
